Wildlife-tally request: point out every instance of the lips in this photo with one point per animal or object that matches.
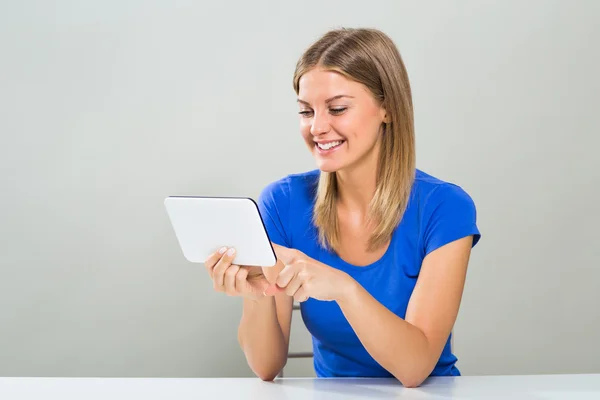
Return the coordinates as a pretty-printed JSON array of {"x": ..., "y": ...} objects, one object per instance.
[{"x": 329, "y": 146}]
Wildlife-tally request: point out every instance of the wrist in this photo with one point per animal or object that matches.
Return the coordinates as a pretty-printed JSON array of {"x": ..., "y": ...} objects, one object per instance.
[
  {"x": 259, "y": 300},
  {"x": 350, "y": 288},
  {"x": 264, "y": 299}
]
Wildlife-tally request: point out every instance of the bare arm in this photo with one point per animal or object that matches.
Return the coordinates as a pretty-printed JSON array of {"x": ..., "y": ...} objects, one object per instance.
[
  {"x": 409, "y": 348},
  {"x": 264, "y": 330}
]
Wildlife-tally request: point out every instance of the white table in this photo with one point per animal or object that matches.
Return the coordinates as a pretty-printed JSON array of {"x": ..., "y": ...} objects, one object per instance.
[{"x": 540, "y": 387}]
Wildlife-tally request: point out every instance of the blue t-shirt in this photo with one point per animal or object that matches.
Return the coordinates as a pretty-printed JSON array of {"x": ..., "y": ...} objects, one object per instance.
[{"x": 437, "y": 213}]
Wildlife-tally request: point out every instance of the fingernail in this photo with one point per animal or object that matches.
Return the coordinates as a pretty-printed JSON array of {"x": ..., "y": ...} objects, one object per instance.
[
  {"x": 222, "y": 250},
  {"x": 231, "y": 251},
  {"x": 272, "y": 289}
]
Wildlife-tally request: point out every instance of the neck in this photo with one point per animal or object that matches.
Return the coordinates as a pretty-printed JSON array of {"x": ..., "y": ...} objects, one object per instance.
[{"x": 357, "y": 184}]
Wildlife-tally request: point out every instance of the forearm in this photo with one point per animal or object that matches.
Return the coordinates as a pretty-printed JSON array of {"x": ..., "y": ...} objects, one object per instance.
[
  {"x": 398, "y": 346},
  {"x": 261, "y": 338}
]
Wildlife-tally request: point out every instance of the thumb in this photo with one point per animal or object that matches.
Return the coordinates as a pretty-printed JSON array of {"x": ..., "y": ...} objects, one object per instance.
[
  {"x": 285, "y": 254},
  {"x": 272, "y": 290}
]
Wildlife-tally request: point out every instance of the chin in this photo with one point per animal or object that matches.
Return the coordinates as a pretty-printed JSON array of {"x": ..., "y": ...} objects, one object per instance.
[
  {"x": 330, "y": 163},
  {"x": 328, "y": 166},
  {"x": 330, "y": 170}
]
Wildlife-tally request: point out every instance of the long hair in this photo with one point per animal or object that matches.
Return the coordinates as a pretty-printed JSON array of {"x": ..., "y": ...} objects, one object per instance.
[{"x": 370, "y": 57}]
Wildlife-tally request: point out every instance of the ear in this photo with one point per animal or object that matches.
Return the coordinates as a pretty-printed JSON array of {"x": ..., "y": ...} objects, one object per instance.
[{"x": 384, "y": 116}]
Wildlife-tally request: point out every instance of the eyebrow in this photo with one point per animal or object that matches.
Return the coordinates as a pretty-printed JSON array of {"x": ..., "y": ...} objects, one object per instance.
[{"x": 329, "y": 100}]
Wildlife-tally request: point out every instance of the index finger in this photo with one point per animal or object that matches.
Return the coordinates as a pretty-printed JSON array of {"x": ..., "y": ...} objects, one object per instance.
[
  {"x": 213, "y": 259},
  {"x": 286, "y": 275},
  {"x": 285, "y": 254}
]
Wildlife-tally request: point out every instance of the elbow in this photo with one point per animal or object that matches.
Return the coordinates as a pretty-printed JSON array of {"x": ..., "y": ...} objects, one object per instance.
[
  {"x": 265, "y": 366},
  {"x": 267, "y": 374},
  {"x": 415, "y": 371},
  {"x": 411, "y": 382},
  {"x": 412, "y": 379},
  {"x": 267, "y": 371}
]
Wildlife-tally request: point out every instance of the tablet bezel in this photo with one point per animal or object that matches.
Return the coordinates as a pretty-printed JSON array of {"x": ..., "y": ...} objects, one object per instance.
[{"x": 188, "y": 253}]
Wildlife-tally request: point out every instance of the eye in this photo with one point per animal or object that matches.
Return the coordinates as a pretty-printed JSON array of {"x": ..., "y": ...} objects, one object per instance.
[
  {"x": 305, "y": 113},
  {"x": 333, "y": 111}
]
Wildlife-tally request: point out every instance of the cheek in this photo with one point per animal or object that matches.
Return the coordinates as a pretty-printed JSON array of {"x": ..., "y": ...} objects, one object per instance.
[
  {"x": 346, "y": 126},
  {"x": 350, "y": 127},
  {"x": 305, "y": 130},
  {"x": 364, "y": 129}
]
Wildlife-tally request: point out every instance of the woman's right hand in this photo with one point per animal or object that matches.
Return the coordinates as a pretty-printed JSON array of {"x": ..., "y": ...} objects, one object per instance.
[{"x": 235, "y": 280}]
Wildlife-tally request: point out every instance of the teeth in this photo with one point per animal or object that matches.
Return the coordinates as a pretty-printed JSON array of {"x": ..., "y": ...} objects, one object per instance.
[{"x": 329, "y": 145}]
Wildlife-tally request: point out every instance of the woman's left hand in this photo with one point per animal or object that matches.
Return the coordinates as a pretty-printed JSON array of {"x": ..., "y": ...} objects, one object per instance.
[{"x": 303, "y": 277}]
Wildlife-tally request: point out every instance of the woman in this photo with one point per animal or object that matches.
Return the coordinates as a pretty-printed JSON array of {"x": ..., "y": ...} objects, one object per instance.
[{"x": 375, "y": 250}]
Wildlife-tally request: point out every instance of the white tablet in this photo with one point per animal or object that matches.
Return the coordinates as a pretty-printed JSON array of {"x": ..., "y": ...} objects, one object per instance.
[{"x": 203, "y": 225}]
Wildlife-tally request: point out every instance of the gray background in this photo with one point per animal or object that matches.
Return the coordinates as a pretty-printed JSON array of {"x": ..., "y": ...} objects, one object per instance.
[{"x": 108, "y": 107}]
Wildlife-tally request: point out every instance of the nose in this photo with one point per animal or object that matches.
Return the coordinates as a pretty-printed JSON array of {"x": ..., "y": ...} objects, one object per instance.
[{"x": 320, "y": 125}]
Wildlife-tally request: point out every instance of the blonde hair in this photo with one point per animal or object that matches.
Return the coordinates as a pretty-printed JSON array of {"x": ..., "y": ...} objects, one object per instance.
[{"x": 370, "y": 57}]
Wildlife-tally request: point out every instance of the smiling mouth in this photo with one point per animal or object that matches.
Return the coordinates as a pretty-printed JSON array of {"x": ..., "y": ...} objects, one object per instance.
[{"x": 329, "y": 145}]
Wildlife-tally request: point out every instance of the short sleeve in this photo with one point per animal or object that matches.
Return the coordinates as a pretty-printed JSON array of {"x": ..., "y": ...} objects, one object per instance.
[
  {"x": 450, "y": 214},
  {"x": 274, "y": 205}
]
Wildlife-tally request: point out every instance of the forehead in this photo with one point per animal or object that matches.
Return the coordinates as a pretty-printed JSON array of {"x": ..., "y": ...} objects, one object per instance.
[{"x": 318, "y": 84}]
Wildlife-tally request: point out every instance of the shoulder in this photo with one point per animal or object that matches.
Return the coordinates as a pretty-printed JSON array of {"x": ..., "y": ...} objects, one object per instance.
[
  {"x": 432, "y": 191},
  {"x": 296, "y": 184},
  {"x": 285, "y": 200},
  {"x": 446, "y": 211}
]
